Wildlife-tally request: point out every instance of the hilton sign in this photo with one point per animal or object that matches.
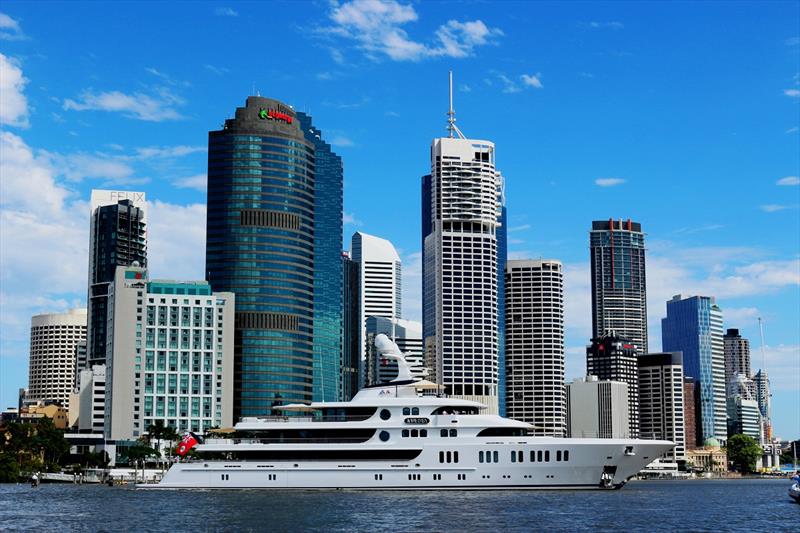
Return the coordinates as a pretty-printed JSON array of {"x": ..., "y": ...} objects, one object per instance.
[{"x": 274, "y": 114}]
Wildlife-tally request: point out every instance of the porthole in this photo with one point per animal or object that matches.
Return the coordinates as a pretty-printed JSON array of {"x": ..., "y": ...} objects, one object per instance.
[
  {"x": 385, "y": 414},
  {"x": 384, "y": 436}
]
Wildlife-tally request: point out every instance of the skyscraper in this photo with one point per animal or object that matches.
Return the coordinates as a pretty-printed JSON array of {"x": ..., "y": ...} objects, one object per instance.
[
  {"x": 612, "y": 357},
  {"x": 619, "y": 293},
  {"x": 380, "y": 274},
  {"x": 117, "y": 237},
  {"x": 534, "y": 345},
  {"x": 764, "y": 400},
  {"x": 351, "y": 329},
  {"x": 273, "y": 187},
  {"x": 737, "y": 355},
  {"x": 460, "y": 267},
  {"x": 693, "y": 325},
  {"x": 51, "y": 371},
  {"x": 661, "y": 401}
]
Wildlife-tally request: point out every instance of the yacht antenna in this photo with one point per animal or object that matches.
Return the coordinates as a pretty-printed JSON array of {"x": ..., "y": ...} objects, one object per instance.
[{"x": 451, "y": 115}]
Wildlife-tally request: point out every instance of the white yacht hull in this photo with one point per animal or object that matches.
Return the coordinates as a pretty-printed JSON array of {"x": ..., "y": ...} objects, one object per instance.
[{"x": 590, "y": 464}]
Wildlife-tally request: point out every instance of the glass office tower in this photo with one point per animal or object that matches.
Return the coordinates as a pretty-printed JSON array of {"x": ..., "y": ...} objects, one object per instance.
[{"x": 269, "y": 232}]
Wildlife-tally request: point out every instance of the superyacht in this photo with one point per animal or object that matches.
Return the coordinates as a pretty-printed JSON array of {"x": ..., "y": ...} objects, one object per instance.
[{"x": 401, "y": 435}]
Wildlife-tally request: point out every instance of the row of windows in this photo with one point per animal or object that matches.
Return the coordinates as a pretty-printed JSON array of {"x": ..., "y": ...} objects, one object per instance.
[{"x": 448, "y": 457}]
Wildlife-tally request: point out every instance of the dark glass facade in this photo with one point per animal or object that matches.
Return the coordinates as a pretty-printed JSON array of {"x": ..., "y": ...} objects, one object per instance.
[
  {"x": 351, "y": 328},
  {"x": 118, "y": 239},
  {"x": 328, "y": 307},
  {"x": 614, "y": 358},
  {"x": 272, "y": 188}
]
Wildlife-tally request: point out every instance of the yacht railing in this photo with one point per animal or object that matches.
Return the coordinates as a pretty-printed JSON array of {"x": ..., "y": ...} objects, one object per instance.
[
  {"x": 278, "y": 440},
  {"x": 319, "y": 418}
]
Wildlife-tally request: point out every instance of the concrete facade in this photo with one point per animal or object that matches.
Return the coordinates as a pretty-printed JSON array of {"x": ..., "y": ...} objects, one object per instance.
[{"x": 597, "y": 409}]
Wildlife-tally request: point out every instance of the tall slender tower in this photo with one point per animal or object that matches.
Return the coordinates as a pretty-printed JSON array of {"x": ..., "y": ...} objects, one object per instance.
[
  {"x": 380, "y": 274},
  {"x": 534, "y": 345},
  {"x": 460, "y": 266},
  {"x": 693, "y": 325},
  {"x": 274, "y": 237},
  {"x": 117, "y": 237},
  {"x": 619, "y": 295}
]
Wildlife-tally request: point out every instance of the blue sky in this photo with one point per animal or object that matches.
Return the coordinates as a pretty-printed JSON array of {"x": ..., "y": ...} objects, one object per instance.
[{"x": 683, "y": 116}]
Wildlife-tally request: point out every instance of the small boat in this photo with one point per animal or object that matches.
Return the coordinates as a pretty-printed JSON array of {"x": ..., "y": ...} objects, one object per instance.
[{"x": 794, "y": 490}]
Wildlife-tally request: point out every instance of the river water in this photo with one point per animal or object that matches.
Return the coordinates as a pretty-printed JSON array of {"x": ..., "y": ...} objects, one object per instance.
[{"x": 698, "y": 505}]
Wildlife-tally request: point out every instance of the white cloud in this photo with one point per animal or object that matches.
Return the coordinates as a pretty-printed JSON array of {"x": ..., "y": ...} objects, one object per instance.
[
  {"x": 792, "y": 93},
  {"x": 154, "y": 108},
  {"x": 226, "y": 12},
  {"x": 80, "y": 166},
  {"x": 349, "y": 219},
  {"x": 737, "y": 317},
  {"x": 783, "y": 366},
  {"x": 168, "y": 151},
  {"x": 793, "y": 129},
  {"x": 10, "y": 29},
  {"x": 521, "y": 227},
  {"x": 219, "y": 71},
  {"x": 377, "y": 27},
  {"x": 198, "y": 182},
  {"x": 611, "y": 25},
  {"x": 509, "y": 85},
  {"x": 773, "y": 208},
  {"x": 176, "y": 238},
  {"x": 13, "y": 104},
  {"x": 608, "y": 182},
  {"x": 532, "y": 80},
  {"x": 464, "y": 88},
  {"x": 342, "y": 141},
  {"x": 324, "y": 76},
  {"x": 789, "y": 180}
]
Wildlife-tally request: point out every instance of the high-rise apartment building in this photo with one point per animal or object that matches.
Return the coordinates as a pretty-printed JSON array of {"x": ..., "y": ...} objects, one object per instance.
[
  {"x": 170, "y": 355},
  {"x": 597, "y": 409},
  {"x": 351, "y": 329},
  {"x": 407, "y": 334},
  {"x": 693, "y": 325},
  {"x": 460, "y": 267},
  {"x": 90, "y": 401},
  {"x": 612, "y": 357},
  {"x": 271, "y": 238},
  {"x": 619, "y": 291},
  {"x": 534, "y": 345},
  {"x": 744, "y": 417},
  {"x": 661, "y": 401},
  {"x": 380, "y": 274},
  {"x": 117, "y": 237},
  {"x": 690, "y": 408},
  {"x": 764, "y": 400},
  {"x": 737, "y": 355},
  {"x": 51, "y": 370}
]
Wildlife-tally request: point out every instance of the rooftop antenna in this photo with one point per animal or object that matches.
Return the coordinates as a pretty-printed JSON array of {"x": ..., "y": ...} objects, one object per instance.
[
  {"x": 451, "y": 115},
  {"x": 763, "y": 354}
]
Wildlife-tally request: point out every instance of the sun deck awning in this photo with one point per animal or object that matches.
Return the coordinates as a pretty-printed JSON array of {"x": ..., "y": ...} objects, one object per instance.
[{"x": 427, "y": 385}]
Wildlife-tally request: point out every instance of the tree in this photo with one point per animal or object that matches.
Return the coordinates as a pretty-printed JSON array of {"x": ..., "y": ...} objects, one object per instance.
[{"x": 743, "y": 452}]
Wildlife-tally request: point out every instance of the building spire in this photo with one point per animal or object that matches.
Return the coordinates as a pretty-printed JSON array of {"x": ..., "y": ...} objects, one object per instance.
[{"x": 451, "y": 115}]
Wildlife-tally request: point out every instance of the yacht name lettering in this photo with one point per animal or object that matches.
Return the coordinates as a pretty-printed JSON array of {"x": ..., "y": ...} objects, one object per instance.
[{"x": 420, "y": 420}]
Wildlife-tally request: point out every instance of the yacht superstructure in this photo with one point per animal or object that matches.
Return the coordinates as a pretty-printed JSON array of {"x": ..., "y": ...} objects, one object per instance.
[{"x": 404, "y": 435}]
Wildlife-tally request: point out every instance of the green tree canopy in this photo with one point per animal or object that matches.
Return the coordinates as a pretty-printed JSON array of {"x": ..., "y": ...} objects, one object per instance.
[{"x": 743, "y": 452}]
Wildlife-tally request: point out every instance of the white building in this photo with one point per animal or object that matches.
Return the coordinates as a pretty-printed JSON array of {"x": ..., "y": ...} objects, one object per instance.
[
  {"x": 745, "y": 417},
  {"x": 91, "y": 399},
  {"x": 169, "y": 355},
  {"x": 597, "y": 409},
  {"x": 661, "y": 401},
  {"x": 534, "y": 302},
  {"x": 380, "y": 272},
  {"x": 461, "y": 201},
  {"x": 51, "y": 370},
  {"x": 764, "y": 399},
  {"x": 407, "y": 334}
]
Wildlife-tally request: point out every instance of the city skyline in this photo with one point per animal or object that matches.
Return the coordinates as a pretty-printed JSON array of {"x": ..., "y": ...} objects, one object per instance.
[{"x": 143, "y": 127}]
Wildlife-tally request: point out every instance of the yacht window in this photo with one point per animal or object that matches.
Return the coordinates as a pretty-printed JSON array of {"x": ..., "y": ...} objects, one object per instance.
[
  {"x": 533, "y": 456},
  {"x": 449, "y": 457},
  {"x": 513, "y": 456},
  {"x": 415, "y": 433},
  {"x": 480, "y": 456},
  {"x": 405, "y": 433},
  {"x": 443, "y": 433},
  {"x": 519, "y": 456},
  {"x": 385, "y": 414},
  {"x": 384, "y": 436},
  {"x": 539, "y": 456},
  {"x": 415, "y": 410},
  {"x": 566, "y": 455},
  {"x": 441, "y": 457},
  {"x": 495, "y": 456},
  {"x": 406, "y": 411},
  {"x": 558, "y": 455},
  {"x": 547, "y": 456},
  {"x": 423, "y": 432},
  {"x": 453, "y": 432},
  {"x": 455, "y": 457}
]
